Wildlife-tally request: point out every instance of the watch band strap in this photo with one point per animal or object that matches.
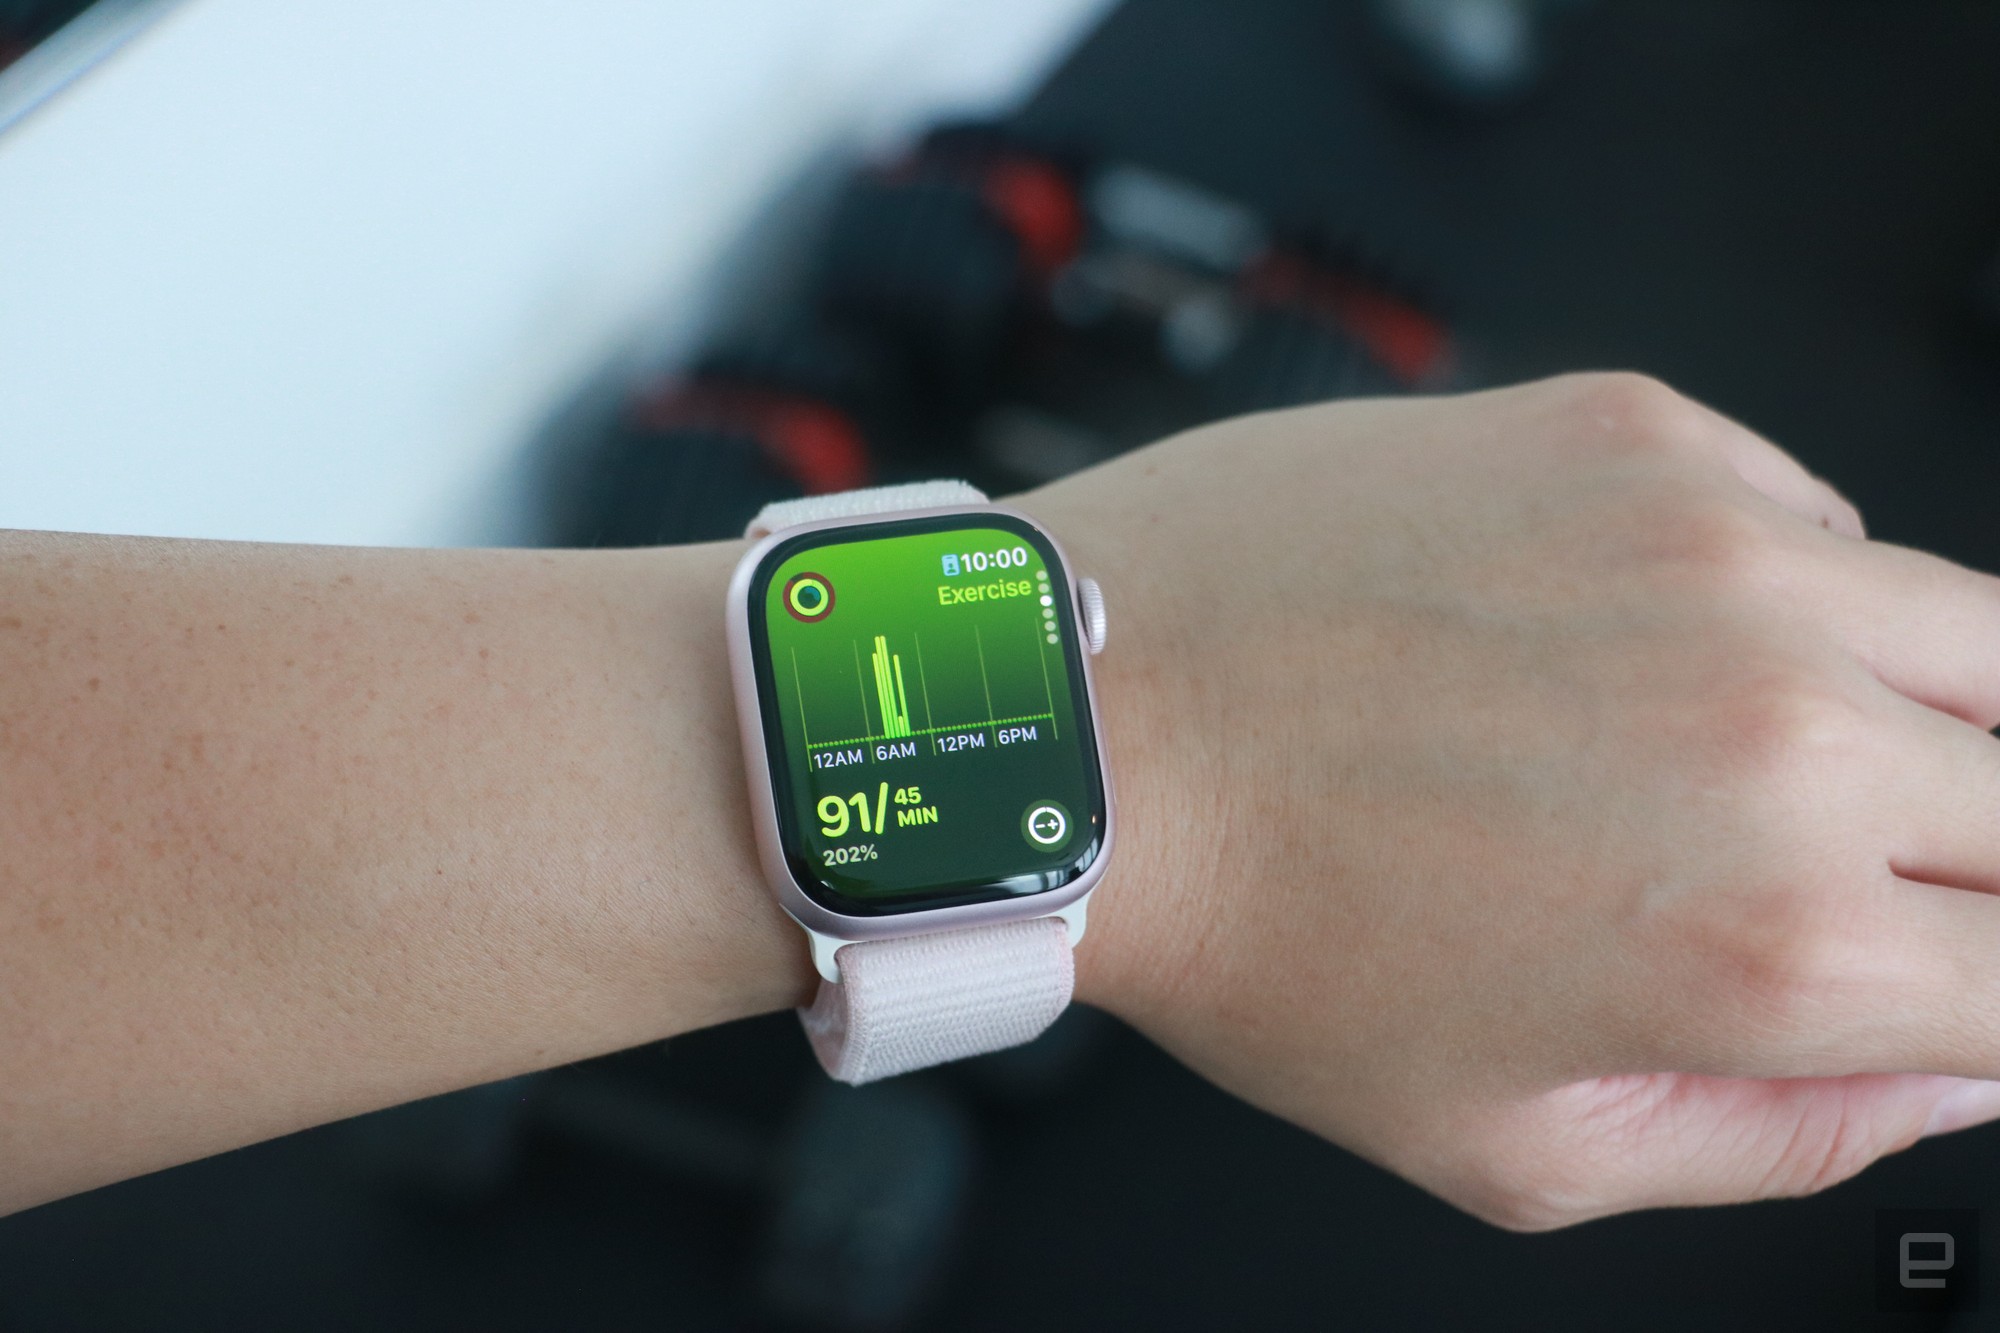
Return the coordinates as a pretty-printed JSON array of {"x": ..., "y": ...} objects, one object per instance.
[
  {"x": 908, "y": 1003},
  {"x": 855, "y": 504},
  {"x": 921, "y": 1000}
]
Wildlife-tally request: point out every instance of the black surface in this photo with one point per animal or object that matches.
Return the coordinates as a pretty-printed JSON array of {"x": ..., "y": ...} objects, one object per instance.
[{"x": 1780, "y": 207}]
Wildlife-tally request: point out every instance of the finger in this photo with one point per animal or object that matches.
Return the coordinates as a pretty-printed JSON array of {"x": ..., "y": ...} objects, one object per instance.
[
  {"x": 1945, "y": 821},
  {"x": 1967, "y": 1102},
  {"x": 1927, "y": 628},
  {"x": 1937, "y": 1007},
  {"x": 1779, "y": 477},
  {"x": 1666, "y": 1140}
]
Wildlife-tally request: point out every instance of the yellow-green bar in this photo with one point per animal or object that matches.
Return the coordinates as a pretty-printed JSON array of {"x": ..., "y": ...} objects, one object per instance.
[
  {"x": 889, "y": 689},
  {"x": 882, "y": 699},
  {"x": 902, "y": 700}
]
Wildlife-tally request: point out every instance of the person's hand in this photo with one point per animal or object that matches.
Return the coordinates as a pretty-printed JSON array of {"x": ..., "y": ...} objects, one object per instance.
[{"x": 1547, "y": 793}]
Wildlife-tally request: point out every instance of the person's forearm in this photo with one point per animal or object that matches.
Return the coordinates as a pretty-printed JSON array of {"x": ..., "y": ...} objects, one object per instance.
[
  {"x": 1548, "y": 793},
  {"x": 289, "y": 833}
]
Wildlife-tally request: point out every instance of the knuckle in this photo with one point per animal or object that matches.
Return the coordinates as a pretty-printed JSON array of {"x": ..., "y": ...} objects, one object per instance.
[
  {"x": 1782, "y": 930},
  {"x": 1787, "y": 954},
  {"x": 1628, "y": 411},
  {"x": 1710, "y": 545},
  {"x": 1782, "y": 739},
  {"x": 1780, "y": 962}
]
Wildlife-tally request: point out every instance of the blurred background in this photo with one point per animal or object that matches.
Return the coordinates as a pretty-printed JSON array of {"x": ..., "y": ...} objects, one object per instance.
[{"x": 606, "y": 273}]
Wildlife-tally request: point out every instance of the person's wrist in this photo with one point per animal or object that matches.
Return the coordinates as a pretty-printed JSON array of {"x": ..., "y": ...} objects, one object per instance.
[
  {"x": 752, "y": 958},
  {"x": 1122, "y": 964},
  {"x": 1125, "y": 964}
]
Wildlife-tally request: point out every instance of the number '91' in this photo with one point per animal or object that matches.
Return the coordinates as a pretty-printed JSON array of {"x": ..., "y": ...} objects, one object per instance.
[{"x": 834, "y": 820}]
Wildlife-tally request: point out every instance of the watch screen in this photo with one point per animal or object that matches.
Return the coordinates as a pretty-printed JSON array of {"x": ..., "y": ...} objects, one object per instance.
[{"x": 925, "y": 713}]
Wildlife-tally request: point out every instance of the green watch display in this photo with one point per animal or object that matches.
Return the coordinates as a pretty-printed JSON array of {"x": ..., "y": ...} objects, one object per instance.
[{"x": 925, "y": 714}]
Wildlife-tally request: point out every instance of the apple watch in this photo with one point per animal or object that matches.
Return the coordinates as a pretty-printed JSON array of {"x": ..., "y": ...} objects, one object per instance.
[{"x": 927, "y": 780}]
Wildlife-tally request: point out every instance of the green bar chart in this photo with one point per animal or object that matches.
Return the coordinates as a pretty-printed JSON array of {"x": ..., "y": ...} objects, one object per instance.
[
  {"x": 889, "y": 690},
  {"x": 884, "y": 712}
]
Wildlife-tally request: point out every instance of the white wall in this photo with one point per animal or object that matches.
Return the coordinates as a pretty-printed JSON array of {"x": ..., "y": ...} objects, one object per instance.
[{"x": 315, "y": 270}]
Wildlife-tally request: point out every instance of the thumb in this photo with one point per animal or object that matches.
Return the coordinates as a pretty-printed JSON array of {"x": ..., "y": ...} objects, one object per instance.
[{"x": 1661, "y": 1140}]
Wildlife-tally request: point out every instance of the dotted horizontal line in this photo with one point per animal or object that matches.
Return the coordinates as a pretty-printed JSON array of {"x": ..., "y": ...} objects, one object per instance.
[{"x": 927, "y": 731}]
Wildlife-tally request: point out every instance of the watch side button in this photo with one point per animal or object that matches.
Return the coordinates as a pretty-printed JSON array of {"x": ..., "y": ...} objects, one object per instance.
[{"x": 1090, "y": 613}]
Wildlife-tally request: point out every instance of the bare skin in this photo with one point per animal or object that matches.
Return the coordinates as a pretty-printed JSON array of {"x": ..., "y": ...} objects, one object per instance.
[{"x": 1597, "y": 820}]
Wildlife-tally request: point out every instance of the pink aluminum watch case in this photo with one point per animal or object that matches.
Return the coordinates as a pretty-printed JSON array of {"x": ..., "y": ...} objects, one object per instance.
[{"x": 756, "y": 763}]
